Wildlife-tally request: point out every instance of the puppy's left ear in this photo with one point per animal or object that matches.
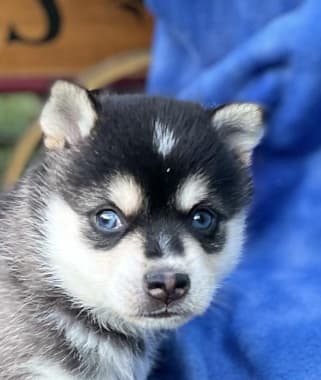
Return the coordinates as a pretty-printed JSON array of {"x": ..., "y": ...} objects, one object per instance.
[
  {"x": 68, "y": 116},
  {"x": 241, "y": 126}
]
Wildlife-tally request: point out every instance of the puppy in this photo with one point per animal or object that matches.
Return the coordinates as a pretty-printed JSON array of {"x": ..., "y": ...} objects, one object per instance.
[{"x": 123, "y": 231}]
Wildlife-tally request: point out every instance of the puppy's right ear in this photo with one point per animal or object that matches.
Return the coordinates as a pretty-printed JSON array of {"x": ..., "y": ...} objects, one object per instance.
[{"x": 68, "y": 116}]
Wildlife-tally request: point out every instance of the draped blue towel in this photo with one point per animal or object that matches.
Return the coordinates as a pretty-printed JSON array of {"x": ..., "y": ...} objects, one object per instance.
[{"x": 266, "y": 322}]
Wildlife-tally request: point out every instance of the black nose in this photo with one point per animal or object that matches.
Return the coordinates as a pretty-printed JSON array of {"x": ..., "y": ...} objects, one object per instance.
[{"x": 166, "y": 286}]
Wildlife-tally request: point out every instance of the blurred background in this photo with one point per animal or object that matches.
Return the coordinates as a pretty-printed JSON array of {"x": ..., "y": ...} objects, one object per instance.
[{"x": 98, "y": 43}]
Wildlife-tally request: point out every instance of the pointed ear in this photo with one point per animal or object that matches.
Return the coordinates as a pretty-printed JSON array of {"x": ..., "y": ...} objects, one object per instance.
[
  {"x": 68, "y": 116},
  {"x": 241, "y": 126}
]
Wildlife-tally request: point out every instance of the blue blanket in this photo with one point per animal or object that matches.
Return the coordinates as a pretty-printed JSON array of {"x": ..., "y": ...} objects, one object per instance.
[{"x": 266, "y": 323}]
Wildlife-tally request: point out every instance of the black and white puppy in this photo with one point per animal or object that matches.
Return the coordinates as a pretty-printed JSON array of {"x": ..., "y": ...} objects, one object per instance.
[{"x": 124, "y": 230}]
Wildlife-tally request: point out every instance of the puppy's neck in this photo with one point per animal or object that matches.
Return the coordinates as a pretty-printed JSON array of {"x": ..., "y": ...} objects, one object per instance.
[{"x": 98, "y": 351}]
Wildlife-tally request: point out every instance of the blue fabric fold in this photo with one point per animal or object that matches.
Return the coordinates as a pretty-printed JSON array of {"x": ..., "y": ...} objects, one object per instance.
[{"x": 266, "y": 322}]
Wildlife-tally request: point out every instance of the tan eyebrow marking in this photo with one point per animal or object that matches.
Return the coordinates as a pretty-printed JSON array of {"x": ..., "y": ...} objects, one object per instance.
[
  {"x": 192, "y": 191},
  {"x": 125, "y": 193}
]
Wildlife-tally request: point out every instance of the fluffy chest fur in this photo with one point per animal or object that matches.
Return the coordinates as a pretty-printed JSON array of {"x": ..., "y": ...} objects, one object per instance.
[{"x": 98, "y": 359}]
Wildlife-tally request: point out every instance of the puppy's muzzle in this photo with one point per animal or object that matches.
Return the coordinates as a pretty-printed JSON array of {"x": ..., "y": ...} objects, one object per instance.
[{"x": 166, "y": 286}]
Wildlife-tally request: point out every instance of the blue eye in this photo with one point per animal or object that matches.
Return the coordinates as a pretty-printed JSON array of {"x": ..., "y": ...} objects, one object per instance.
[
  {"x": 108, "y": 220},
  {"x": 203, "y": 220}
]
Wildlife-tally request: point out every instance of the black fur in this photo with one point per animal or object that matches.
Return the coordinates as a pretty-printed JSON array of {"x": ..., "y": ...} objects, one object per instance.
[{"x": 122, "y": 142}]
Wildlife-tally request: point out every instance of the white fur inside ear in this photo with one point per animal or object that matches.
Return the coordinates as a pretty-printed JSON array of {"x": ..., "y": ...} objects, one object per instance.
[
  {"x": 241, "y": 124},
  {"x": 68, "y": 115}
]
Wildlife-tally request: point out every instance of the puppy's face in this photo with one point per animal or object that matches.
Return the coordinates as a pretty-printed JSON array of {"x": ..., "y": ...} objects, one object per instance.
[{"x": 148, "y": 203}]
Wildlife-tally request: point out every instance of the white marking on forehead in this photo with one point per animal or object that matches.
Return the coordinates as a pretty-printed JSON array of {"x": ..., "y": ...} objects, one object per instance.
[
  {"x": 192, "y": 191},
  {"x": 126, "y": 193},
  {"x": 163, "y": 138}
]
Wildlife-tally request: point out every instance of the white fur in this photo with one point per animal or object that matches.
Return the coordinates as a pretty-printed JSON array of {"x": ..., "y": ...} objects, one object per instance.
[
  {"x": 102, "y": 280},
  {"x": 114, "y": 365},
  {"x": 46, "y": 370},
  {"x": 191, "y": 191},
  {"x": 232, "y": 250},
  {"x": 244, "y": 115},
  {"x": 68, "y": 115},
  {"x": 111, "y": 361},
  {"x": 163, "y": 139},
  {"x": 125, "y": 193},
  {"x": 108, "y": 282},
  {"x": 111, "y": 282},
  {"x": 247, "y": 119},
  {"x": 205, "y": 271}
]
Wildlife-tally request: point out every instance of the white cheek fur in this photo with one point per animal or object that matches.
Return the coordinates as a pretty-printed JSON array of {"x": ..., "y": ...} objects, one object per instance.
[
  {"x": 111, "y": 283},
  {"x": 96, "y": 279}
]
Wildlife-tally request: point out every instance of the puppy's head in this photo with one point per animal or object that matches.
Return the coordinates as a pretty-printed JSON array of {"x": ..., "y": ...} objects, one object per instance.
[{"x": 148, "y": 201}]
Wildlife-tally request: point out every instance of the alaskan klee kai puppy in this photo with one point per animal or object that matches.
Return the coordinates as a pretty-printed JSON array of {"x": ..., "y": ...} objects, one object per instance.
[{"x": 122, "y": 231}]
